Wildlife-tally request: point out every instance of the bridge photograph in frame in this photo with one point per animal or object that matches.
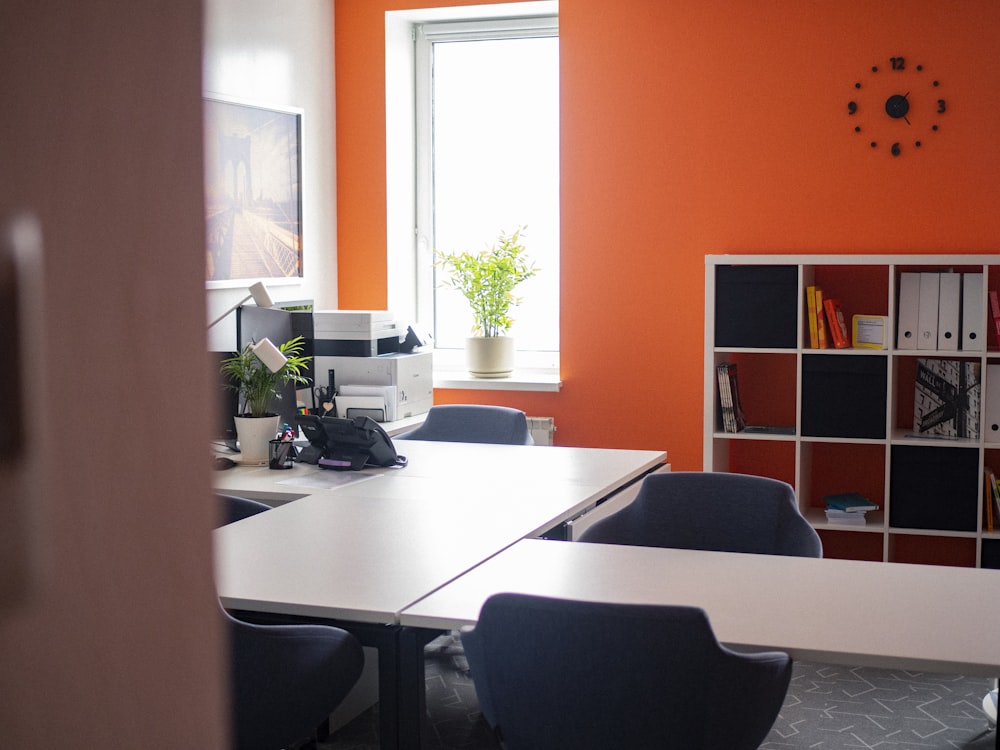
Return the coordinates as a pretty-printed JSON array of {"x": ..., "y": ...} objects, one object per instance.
[{"x": 253, "y": 198}]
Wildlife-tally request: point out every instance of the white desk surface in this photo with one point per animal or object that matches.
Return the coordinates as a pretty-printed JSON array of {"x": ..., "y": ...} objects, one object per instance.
[
  {"x": 366, "y": 550},
  {"x": 918, "y": 617}
]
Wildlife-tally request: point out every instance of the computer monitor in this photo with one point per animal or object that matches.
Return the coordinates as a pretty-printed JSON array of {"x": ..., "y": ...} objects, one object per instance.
[
  {"x": 255, "y": 323},
  {"x": 226, "y": 402}
]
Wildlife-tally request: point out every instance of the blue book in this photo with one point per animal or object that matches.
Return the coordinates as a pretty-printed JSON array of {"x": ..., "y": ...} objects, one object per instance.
[{"x": 850, "y": 502}]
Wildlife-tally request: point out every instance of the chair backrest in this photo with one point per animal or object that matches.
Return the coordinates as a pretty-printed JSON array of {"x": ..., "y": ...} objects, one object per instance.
[
  {"x": 233, "y": 508},
  {"x": 711, "y": 511},
  {"x": 555, "y": 674},
  {"x": 287, "y": 680},
  {"x": 473, "y": 423}
]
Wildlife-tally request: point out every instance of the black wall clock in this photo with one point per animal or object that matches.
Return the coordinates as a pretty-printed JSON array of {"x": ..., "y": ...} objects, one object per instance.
[{"x": 897, "y": 106}]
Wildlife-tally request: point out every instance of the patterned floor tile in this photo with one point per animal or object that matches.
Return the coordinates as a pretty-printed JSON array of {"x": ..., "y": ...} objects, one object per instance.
[{"x": 827, "y": 708}]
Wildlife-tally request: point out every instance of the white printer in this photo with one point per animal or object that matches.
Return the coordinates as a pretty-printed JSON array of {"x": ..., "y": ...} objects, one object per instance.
[
  {"x": 355, "y": 333},
  {"x": 406, "y": 380},
  {"x": 358, "y": 351}
]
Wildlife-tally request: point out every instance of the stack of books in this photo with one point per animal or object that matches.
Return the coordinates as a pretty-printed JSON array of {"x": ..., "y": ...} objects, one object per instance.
[
  {"x": 848, "y": 508},
  {"x": 729, "y": 398},
  {"x": 827, "y": 325}
]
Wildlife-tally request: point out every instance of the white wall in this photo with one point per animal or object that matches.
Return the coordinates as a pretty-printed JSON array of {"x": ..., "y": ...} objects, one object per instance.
[{"x": 280, "y": 53}]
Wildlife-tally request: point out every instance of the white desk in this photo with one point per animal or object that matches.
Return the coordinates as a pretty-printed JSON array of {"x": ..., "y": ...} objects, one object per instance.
[
  {"x": 919, "y": 617},
  {"x": 360, "y": 554}
]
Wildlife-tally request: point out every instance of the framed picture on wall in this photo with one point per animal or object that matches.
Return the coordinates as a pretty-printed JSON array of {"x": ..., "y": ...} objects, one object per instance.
[{"x": 253, "y": 193}]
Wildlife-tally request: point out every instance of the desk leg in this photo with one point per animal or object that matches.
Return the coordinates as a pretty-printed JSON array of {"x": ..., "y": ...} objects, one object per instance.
[{"x": 412, "y": 685}]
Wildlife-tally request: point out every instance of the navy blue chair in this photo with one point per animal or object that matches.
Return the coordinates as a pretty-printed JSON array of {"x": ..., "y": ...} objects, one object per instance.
[
  {"x": 235, "y": 508},
  {"x": 553, "y": 674},
  {"x": 472, "y": 423},
  {"x": 286, "y": 680},
  {"x": 711, "y": 511}
]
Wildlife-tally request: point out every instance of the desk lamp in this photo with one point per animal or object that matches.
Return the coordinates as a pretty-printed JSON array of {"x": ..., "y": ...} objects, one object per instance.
[
  {"x": 260, "y": 296},
  {"x": 269, "y": 354}
]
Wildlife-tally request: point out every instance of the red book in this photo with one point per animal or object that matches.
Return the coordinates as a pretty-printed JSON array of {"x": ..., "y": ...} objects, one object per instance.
[
  {"x": 821, "y": 326},
  {"x": 835, "y": 322}
]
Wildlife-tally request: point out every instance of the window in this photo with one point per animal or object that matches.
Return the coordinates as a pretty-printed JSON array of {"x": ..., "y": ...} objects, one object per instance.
[{"x": 485, "y": 160}]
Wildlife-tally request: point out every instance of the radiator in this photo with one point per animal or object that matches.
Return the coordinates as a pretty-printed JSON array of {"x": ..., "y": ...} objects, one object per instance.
[{"x": 542, "y": 430}]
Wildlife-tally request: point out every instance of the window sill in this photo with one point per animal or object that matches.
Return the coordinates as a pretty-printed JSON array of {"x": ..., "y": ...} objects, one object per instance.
[{"x": 520, "y": 380}]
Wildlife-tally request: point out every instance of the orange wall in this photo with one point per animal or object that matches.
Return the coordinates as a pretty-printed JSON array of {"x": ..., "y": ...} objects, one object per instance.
[{"x": 692, "y": 127}]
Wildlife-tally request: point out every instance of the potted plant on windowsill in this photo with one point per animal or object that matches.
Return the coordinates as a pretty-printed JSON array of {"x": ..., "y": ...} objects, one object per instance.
[
  {"x": 257, "y": 383},
  {"x": 487, "y": 280}
]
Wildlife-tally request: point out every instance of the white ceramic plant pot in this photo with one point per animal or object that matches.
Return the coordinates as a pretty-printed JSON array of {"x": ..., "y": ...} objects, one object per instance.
[
  {"x": 490, "y": 356},
  {"x": 254, "y": 434}
]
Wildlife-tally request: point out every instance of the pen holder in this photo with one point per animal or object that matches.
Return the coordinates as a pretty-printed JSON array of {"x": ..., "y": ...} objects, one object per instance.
[{"x": 280, "y": 454}]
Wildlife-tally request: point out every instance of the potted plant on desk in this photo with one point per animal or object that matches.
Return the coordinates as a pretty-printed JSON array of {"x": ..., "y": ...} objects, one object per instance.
[
  {"x": 487, "y": 280},
  {"x": 258, "y": 372}
]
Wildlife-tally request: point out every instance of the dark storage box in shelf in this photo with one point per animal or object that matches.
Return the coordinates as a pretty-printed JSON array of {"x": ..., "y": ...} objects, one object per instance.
[
  {"x": 934, "y": 488},
  {"x": 756, "y": 307},
  {"x": 991, "y": 554},
  {"x": 843, "y": 396}
]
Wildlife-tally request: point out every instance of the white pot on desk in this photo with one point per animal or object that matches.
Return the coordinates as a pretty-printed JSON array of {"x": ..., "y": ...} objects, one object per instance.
[{"x": 254, "y": 434}]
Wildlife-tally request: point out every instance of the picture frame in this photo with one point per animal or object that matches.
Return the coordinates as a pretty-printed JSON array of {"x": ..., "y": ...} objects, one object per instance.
[{"x": 253, "y": 193}]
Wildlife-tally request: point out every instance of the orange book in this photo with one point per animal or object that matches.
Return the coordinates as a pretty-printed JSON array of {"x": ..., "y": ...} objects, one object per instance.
[
  {"x": 836, "y": 323},
  {"x": 821, "y": 336}
]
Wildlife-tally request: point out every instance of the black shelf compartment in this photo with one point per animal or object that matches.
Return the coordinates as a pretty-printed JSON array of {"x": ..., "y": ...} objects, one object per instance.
[
  {"x": 844, "y": 396},
  {"x": 756, "y": 306},
  {"x": 934, "y": 487},
  {"x": 991, "y": 554}
]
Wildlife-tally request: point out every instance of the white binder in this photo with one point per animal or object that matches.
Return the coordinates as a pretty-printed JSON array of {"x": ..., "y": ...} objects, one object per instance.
[
  {"x": 949, "y": 304},
  {"x": 973, "y": 335},
  {"x": 927, "y": 312},
  {"x": 991, "y": 429},
  {"x": 909, "y": 304}
]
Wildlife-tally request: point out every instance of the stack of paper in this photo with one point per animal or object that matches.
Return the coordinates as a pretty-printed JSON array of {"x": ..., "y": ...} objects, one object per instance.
[{"x": 369, "y": 400}]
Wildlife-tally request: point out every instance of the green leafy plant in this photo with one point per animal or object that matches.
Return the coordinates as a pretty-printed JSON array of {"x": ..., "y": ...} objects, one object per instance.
[
  {"x": 256, "y": 384},
  {"x": 487, "y": 280}
]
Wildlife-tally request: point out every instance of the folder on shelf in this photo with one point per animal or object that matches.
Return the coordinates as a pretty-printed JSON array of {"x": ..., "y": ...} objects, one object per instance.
[
  {"x": 949, "y": 302},
  {"x": 927, "y": 311},
  {"x": 991, "y": 412},
  {"x": 972, "y": 312},
  {"x": 909, "y": 305}
]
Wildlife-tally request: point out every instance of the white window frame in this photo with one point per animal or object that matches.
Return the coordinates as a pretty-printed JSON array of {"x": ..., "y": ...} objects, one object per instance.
[{"x": 409, "y": 36}]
